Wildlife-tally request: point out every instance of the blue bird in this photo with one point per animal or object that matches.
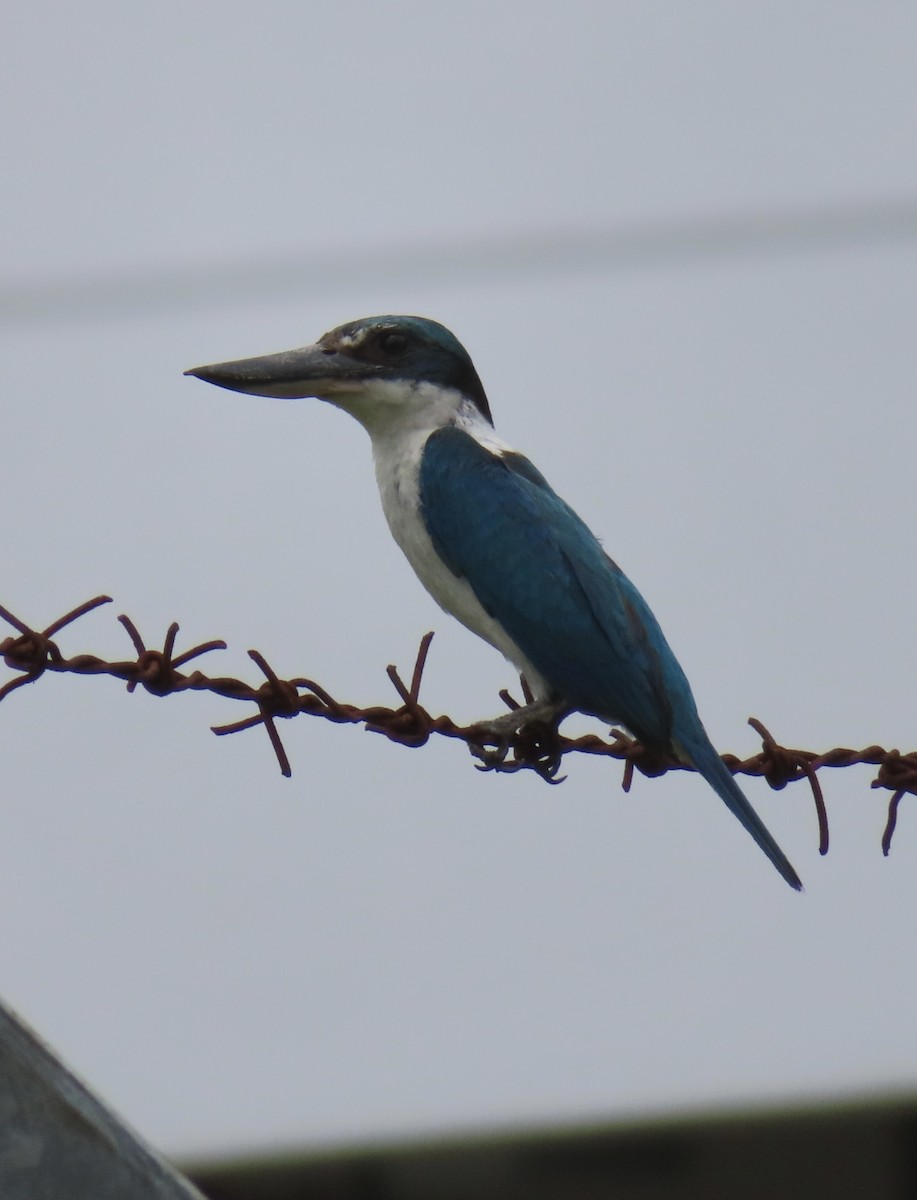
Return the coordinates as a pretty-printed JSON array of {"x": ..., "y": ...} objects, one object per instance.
[{"x": 492, "y": 542}]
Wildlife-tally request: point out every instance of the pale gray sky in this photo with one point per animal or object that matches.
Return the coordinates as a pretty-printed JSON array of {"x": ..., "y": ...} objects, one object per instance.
[{"x": 390, "y": 941}]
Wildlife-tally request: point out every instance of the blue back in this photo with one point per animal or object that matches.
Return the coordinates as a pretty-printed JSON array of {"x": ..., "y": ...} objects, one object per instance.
[{"x": 538, "y": 570}]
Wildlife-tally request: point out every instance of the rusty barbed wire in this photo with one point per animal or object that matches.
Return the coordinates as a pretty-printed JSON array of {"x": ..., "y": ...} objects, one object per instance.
[{"x": 538, "y": 746}]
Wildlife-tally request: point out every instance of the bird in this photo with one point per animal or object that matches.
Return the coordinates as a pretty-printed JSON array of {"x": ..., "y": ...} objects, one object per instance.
[{"x": 494, "y": 544}]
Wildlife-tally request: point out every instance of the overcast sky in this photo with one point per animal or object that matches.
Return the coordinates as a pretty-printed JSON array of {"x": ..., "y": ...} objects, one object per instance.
[{"x": 391, "y": 942}]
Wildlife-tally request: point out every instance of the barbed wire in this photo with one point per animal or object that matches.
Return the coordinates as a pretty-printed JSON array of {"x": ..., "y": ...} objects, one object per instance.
[{"x": 537, "y": 745}]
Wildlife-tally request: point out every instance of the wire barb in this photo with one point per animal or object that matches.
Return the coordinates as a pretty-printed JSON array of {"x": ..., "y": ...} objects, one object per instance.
[{"x": 534, "y": 744}]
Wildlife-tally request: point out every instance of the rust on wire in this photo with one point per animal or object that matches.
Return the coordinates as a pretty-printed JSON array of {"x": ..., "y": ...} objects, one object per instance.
[{"x": 537, "y": 746}]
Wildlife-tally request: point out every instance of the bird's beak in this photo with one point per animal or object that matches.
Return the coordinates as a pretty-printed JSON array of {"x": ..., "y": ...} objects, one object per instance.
[{"x": 290, "y": 375}]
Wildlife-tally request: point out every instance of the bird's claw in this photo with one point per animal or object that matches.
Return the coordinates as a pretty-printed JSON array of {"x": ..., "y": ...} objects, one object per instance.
[
  {"x": 492, "y": 758},
  {"x": 530, "y": 733}
]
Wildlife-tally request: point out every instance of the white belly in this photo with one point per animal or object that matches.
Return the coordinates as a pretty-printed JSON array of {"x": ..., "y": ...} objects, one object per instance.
[{"x": 398, "y": 477}]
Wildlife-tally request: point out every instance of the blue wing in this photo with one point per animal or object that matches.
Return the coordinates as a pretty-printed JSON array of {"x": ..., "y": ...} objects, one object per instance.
[{"x": 539, "y": 571}]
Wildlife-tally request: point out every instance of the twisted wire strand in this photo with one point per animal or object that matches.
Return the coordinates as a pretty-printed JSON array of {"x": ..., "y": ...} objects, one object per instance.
[{"x": 538, "y": 746}]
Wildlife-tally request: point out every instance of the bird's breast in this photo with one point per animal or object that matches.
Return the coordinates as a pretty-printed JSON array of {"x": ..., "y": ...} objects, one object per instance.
[{"x": 397, "y": 467}]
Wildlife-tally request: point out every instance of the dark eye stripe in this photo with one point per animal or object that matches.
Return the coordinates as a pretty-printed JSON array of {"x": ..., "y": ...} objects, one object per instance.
[{"x": 393, "y": 343}]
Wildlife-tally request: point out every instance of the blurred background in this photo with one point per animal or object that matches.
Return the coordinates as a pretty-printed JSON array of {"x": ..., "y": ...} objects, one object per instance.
[{"x": 680, "y": 244}]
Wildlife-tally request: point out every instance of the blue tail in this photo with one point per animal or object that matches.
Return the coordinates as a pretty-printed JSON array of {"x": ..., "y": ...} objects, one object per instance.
[{"x": 700, "y": 753}]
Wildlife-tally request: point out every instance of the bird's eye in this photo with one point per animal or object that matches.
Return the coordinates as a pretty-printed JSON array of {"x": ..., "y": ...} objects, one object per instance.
[{"x": 394, "y": 344}]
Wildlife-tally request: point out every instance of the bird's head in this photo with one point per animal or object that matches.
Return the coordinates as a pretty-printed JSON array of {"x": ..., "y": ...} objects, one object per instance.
[{"x": 385, "y": 371}]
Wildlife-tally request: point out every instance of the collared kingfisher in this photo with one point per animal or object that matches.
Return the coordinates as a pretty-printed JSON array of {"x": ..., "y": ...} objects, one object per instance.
[{"x": 492, "y": 542}]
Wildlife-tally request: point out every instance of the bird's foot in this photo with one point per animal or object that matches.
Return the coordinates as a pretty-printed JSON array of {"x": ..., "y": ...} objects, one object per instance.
[
  {"x": 530, "y": 732},
  {"x": 544, "y": 712}
]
